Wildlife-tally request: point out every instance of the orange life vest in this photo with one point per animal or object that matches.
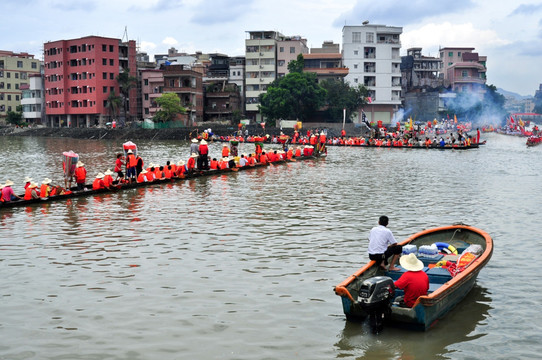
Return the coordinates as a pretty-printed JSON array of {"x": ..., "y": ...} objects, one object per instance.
[
  {"x": 108, "y": 180},
  {"x": 225, "y": 152},
  {"x": 44, "y": 190},
  {"x": 97, "y": 184},
  {"x": 28, "y": 193},
  {"x": 141, "y": 178},
  {"x": 214, "y": 164}
]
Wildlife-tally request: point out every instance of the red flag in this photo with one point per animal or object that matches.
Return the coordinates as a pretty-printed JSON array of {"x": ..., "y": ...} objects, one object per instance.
[{"x": 511, "y": 119}]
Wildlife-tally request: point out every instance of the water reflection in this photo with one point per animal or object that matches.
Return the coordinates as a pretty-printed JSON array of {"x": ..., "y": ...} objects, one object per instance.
[{"x": 457, "y": 327}]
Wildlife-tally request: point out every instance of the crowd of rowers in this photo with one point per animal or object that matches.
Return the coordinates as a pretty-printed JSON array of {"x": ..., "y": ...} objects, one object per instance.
[
  {"x": 379, "y": 138},
  {"x": 136, "y": 171}
]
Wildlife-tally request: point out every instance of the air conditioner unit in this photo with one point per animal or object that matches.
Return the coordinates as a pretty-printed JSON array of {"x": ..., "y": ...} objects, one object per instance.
[
  {"x": 261, "y": 66},
  {"x": 261, "y": 79}
]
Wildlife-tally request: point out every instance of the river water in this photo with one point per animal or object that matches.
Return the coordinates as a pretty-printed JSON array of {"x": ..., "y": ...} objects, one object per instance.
[{"x": 242, "y": 266}]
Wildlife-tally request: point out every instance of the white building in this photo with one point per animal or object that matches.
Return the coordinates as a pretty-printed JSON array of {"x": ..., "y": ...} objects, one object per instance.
[
  {"x": 288, "y": 50},
  {"x": 261, "y": 67},
  {"x": 237, "y": 75},
  {"x": 372, "y": 54},
  {"x": 32, "y": 100}
]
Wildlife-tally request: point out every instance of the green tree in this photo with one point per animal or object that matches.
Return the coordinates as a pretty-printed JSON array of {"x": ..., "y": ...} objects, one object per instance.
[
  {"x": 341, "y": 96},
  {"x": 126, "y": 83},
  {"x": 15, "y": 117},
  {"x": 294, "y": 96},
  {"x": 113, "y": 104},
  {"x": 296, "y": 66},
  {"x": 170, "y": 106}
]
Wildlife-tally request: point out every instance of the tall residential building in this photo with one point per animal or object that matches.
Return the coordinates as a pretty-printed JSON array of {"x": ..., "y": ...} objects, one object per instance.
[
  {"x": 261, "y": 67},
  {"x": 237, "y": 77},
  {"x": 288, "y": 49},
  {"x": 152, "y": 85},
  {"x": 80, "y": 74},
  {"x": 186, "y": 82},
  {"x": 15, "y": 71},
  {"x": 33, "y": 99},
  {"x": 463, "y": 69},
  {"x": 372, "y": 55}
]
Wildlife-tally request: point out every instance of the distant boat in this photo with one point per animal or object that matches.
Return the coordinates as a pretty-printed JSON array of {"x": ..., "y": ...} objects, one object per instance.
[
  {"x": 370, "y": 292},
  {"x": 534, "y": 140}
]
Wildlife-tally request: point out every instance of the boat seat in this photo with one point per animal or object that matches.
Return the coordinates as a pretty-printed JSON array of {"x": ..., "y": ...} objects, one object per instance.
[
  {"x": 438, "y": 275},
  {"x": 430, "y": 260}
]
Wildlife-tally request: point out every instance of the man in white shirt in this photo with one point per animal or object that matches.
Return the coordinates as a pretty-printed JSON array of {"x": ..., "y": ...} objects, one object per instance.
[{"x": 382, "y": 245}]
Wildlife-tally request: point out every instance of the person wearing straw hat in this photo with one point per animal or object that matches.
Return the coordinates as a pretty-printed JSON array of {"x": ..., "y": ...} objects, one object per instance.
[
  {"x": 27, "y": 182},
  {"x": 108, "y": 178},
  {"x": 203, "y": 160},
  {"x": 181, "y": 169},
  {"x": 142, "y": 177},
  {"x": 31, "y": 192},
  {"x": 194, "y": 146},
  {"x": 191, "y": 163},
  {"x": 7, "y": 192},
  {"x": 45, "y": 187},
  {"x": 414, "y": 281},
  {"x": 80, "y": 175},
  {"x": 98, "y": 182}
]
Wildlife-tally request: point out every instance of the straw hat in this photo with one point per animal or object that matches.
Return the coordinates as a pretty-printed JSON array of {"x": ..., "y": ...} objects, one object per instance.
[
  {"x": 143, "y": 171},
  {"x": 46, "y": 181},
  {"x": 180, "y": 163},
  {"x": 194, "y": 140},
  {"x": 80, "y": 164},
  {"x": 194, "y": 155},
  {"x": 108, "y": 172},
  {"x": 27, "y": 179},
  {"x": 33, "y": 185},
  {"x": 203, "y": 142},
  {"x": 410, "y": 262},
  {"x": 130, "y": 152},
  {"x": 8, "y": 183},
  {"x": 100, "y": 175}
]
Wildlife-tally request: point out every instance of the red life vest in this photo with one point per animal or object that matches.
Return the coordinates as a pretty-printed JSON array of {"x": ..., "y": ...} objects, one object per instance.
[
  {"x": 108, "y": 180},
  {"x": 80, "y": 175},
  {"x": 98, "y": 184}
]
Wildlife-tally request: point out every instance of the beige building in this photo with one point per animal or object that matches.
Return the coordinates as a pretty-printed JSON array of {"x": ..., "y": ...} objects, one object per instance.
[
  {"x": 15, "y": 70},
  {"x": 288, "y": 50},
  {"x": 260, "y": 67}
]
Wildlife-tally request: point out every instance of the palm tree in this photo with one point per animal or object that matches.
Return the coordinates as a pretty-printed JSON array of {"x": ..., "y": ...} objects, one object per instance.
[
  {"x": 126, "y": 83},
  {"x": 113, "y": 104}
]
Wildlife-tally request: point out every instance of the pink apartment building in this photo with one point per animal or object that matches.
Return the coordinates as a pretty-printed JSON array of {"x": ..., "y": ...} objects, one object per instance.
[{"x": 463, "y": 69}]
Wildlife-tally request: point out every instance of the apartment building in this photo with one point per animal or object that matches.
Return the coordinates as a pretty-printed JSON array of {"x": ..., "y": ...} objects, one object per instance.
[
  {"x": 15, "y": 71},
  {"x": 288, "y": 49},
  {"x": 186, "y": 82},
  {"x": 152, "y": 85},
  {"x": 463, "y": 69},
  {"x": 237, "y": 77},
  {"x": 33, "y": 99},
  {"x": 80, "y": 74},
  {"x": 261, "y": 67},
  {"x": 326, "y": 62},
  {"x": 372, "y": 55}
]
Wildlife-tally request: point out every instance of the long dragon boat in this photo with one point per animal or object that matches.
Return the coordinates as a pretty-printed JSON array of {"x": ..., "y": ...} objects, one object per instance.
[{"x": 115, "y": 187}]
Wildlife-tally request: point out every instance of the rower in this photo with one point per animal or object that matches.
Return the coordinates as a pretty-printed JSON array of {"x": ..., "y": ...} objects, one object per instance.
[
  {"x": 45, "y": 188},
  {"x": 98, "y": 182}
]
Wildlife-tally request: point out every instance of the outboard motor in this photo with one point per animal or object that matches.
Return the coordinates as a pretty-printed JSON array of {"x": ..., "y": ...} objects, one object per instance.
[{"x": 375, "y": 297}]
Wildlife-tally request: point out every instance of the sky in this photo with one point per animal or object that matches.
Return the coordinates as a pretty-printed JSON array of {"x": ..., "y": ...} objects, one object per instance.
[{"x": 509, "y": 33}]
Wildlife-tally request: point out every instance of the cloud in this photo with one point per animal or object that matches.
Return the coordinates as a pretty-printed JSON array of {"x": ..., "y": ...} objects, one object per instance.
[
  {"x": 527, "y": 9},
  {"x": 400, "y": 12},
  {"x": 170, "y": 41},
  {"x": 220, "y": 11},
  {"x": 86, "y": 6},
  {"x": 159, "y": 6},
  {"x": 147, "y": 46},
  {"x": 433, "y": 36}
]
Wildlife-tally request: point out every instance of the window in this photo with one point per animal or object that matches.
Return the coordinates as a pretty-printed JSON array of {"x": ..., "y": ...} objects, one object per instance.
[
  {"x": 281, "y": 62},
  {"x": 355, "y": 52},
  {"x": 104, "y": 61},
  {"x": 292, "y": 50},
  {"x": 9, "y": 96},
  {"x": 111, "y": 76},
  {"x": 19, "y": 64},
  {"x": 355, "y": 66},
  {"x": 8, "y": 74},
  {"x": 111, "y": 62},
  {"x": 104, "y": 47},
  {"x": 370, "y": 37},
  {"x": 146, "y": 81},
  {"x": 450, "y": 54},
  {"x": 111, "y": 48},
  {"x": 356, "y": 80},
  {"x": 146, "y": 111},
  {"x": 1, "y": 74},
  {"x": 104, "y": 76},
  {"x": 16, "y": 75},
  {"x": 281, "y": 49},
  {"x": 146, "y": 96},
  {"x": 104, "y": 89},
  {"x": 111, "y": 88},
  {"x": 459, "y": 54},
  {"x": 356, "y": 37},
  {"x": 34, "y": 65},
  {"x": 464, "y": 73},
  {"x": 16, "y": 97}
]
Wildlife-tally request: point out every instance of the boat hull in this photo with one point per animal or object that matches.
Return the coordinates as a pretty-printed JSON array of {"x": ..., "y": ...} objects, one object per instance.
[{"x": 442, "y": 298}]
